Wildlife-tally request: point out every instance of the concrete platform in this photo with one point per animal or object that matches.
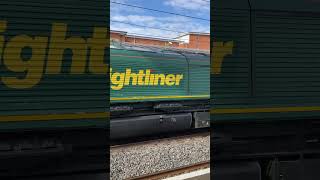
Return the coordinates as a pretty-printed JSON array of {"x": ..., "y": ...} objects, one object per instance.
[{"x": 203, "y": 174}]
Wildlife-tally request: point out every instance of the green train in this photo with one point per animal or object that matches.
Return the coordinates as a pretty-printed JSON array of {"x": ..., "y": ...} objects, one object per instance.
[
  {"x": 157, "y": 90},
  {"x": 265, "y": 88},
  {"x": 53, "y": 116}
]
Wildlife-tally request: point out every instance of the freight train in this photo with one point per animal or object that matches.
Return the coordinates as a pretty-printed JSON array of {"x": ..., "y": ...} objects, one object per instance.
[
  {"x": 53, "y": 116},
  {"x": 265, "y": 89},
  {"x": 157, "y": 90}
]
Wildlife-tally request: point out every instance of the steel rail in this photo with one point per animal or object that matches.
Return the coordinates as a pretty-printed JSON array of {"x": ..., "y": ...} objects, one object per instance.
[{"x": 174, "y": 172}]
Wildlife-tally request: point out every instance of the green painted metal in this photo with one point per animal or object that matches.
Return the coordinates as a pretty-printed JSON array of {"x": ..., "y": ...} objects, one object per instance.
[
  {"x": 63, "y": 91},
  {"x": 189, "y": 71},
  {"x": 273, "y": 70}
]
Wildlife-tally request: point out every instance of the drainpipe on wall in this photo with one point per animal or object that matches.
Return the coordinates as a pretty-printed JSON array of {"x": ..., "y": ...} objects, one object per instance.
[{"x": 197, "y": 41}]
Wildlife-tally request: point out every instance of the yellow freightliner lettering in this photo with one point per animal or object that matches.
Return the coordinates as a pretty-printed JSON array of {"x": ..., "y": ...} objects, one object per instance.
[
  {"x": 35, "y": 66},
  {"x": 58, "y": 43},
  {"x": 219, "y": 51},
  {"x": 97, "y": 46},
  {"x": 13, "y": 61},
  {"x": 142, "y": 78}
]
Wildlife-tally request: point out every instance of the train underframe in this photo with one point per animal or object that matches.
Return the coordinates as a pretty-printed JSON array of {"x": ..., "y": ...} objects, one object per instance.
[
  {"x": 286, "y": 150},
  {"x": 53, "y": 152},
  {"x": 130, "y": 120}
]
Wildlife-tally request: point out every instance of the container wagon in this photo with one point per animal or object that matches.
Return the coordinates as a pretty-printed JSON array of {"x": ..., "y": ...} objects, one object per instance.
[
  {"x": 157, "y": 90},
  {"x": 53, "y": 108},
  {"x": 265, "y": 89}
]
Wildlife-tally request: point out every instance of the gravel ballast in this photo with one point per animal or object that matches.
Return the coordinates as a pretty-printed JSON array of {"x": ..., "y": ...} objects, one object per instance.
[{"x": 142, "y": 159}]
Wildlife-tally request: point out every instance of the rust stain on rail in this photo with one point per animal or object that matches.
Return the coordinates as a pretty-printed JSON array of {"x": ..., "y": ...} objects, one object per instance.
[{"x": 174, "y": 172}]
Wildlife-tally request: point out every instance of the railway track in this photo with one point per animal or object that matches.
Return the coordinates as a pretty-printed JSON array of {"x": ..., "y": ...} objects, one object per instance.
[
  {"x": 139, "y": 151},
  {"x": 174, "y": 172}
]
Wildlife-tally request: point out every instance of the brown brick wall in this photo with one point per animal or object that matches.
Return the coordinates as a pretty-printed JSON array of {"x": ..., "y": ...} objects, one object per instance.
[
  {"x": 154, "y": 42},
  {"x": 196, "y": 41},
  {"x": 117, "y": 36}
]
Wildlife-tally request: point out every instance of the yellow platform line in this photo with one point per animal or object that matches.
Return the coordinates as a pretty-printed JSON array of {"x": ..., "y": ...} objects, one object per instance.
[
  {"x": 158, "y": 97},
  {"x": 47, "y": 117},
  {"x": 264, "y": 110}
]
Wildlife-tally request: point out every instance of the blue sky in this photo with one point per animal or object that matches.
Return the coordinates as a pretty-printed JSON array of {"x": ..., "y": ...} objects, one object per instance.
[{"x": 131, "y": 15}]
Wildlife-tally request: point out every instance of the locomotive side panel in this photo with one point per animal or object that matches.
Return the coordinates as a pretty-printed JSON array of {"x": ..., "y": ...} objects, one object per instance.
[
  {"x": 156, "y": 92},
  {"x": 53, "y": 86},
  {"x": 230, "y": 59},
  {"x": 146, "y": 76},
  {"x": 49, "y": 76},
  {"x": 279, "y": 76},
  {"x": 286, "y": 58},
  {"x": 199, "y": 73}
]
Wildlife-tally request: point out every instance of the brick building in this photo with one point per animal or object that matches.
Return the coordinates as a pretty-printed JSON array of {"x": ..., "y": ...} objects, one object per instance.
[
  {"x": 191, "y": 40},
  {"x": 118, "y": 35},
  {"x": 194, "y": 40}
]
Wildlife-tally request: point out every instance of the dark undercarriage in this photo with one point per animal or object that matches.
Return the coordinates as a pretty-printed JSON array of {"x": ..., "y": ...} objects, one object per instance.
[
  {"x": 53, "y": 152},
  {"x": 130, "y": 120}
]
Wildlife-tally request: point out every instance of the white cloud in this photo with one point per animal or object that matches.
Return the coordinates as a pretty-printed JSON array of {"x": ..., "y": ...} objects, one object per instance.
[
  {"x": 157, "y": 20},
  {"x": 200, "y": 5},
  {"x": 174, "y": 23},
  {"x": 120, "y": 9},
  {"x": 133, "y": 18}
]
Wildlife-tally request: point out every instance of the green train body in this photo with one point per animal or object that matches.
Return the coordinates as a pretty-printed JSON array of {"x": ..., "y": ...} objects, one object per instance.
[
  {"x": 44, "y": 73},
  {"x": 139, "y": 75},
  {"x": 53, "y": 84},
  {"x": 157, "y": 90},
  {"x": 265, "y": 59},
  {"x": 265, "y": 89}
]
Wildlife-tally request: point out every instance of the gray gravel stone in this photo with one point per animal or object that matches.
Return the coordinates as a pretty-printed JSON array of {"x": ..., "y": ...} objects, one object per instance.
[{"x": 137, "y": 160}]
